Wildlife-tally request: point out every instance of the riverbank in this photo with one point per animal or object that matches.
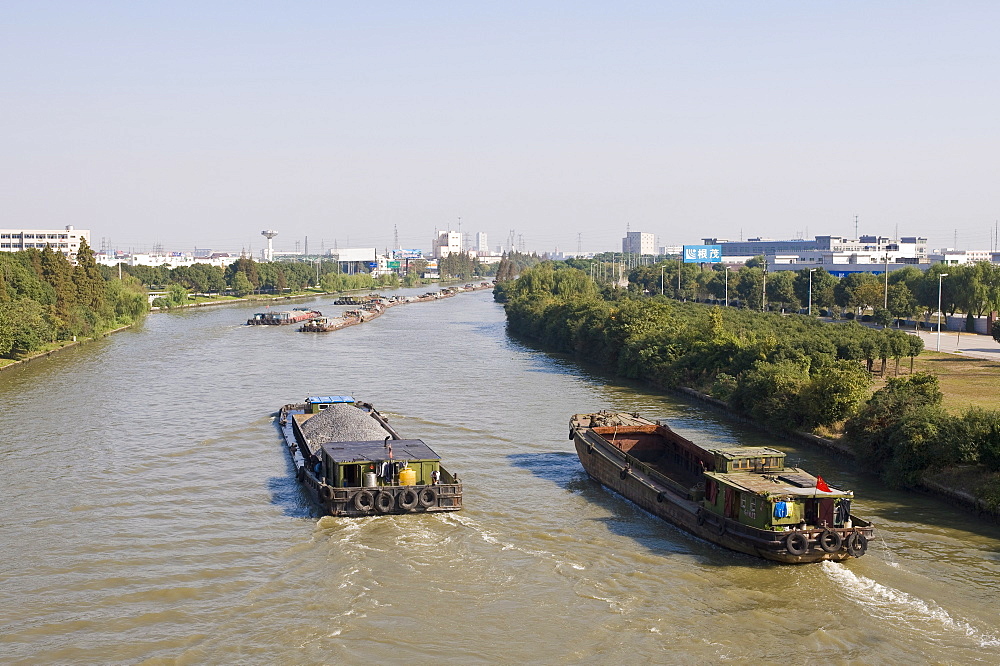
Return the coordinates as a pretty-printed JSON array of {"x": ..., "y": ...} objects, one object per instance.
[
  {"x": 52, "y": 348},
  {"x": 59, "y": 346}
]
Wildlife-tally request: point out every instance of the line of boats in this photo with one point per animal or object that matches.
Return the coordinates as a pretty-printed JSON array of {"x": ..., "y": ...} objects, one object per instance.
[
  {"x": 366, "y": 308},
  {"x": 353, "y": 463}
]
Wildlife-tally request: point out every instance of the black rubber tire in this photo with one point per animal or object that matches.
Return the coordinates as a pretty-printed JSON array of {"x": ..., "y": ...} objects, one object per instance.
[
  {"x": 384, "y": 502},
  {"x": 428, "y": 496},
  {"x": 571, "y": 435},
  {"x": 830, "y": 541},
  {"x": 720, "y": 529},
  {"x": 300, "y": 474},
  {"x": 701, "y": 516},
  {"x": 797, "y": 543},
  {"x": 408, "y": 499},
  {"x": 590, "y": 449},
  {"x": 326, "y": 493},
  {"x": 857, "y": 544},
  {"x": 659, "y": 498},
  {"x": 364, "y": 500},
  {"x": 623, "y": 474}
]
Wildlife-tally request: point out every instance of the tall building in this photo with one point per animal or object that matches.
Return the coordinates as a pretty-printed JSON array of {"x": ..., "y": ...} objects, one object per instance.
[
  {"x": 638, "y": 242},
  {"x": 447, "y": 242},
  {"x": 65, "y": 240},
  {"x": 482, "y": 246}
]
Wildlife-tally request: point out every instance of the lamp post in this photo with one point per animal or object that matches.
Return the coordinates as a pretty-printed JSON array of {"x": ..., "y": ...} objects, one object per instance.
[
  {"x": 680, "y": 259},
  {"x": 940, "y": 276},
  {"x": 763, "y": 290},
  {"x": 885, "y": 301},
  {"x": 727, "y": 286},
  {"x": 661, "y": 280},
  {"x": 811, "y": 271}
]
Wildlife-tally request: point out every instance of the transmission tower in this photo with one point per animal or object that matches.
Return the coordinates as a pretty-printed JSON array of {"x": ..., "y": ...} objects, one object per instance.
[{"x": 579, "y": 243}]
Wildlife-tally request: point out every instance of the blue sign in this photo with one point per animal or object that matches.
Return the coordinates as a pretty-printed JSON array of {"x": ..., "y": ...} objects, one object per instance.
[{"x": 702, "y": 254}]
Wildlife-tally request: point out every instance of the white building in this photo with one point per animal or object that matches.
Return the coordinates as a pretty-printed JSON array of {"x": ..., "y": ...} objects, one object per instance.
[
  {"x": 447, "y": 242},
  {"x": 65, "y": 240},
  {"x": 954, "y": 257},
  {"x": 167, "y": 259},
  {"x": 638, "y": 242},
  {"x": 482, "y": 246}
]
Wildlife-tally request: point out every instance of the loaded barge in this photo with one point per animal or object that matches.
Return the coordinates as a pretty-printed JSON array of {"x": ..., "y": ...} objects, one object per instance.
[
  {"x": 286, "y": 317},
  {"x": 353, "y": 463},
  {"x": 742, "y": 498}
]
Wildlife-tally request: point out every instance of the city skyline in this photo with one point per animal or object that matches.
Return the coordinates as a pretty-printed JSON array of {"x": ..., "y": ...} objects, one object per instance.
[{"x": 183, "y": 123}]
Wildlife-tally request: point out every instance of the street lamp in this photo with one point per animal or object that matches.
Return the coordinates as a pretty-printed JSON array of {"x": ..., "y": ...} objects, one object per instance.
[
  {"x": 727, "y": 286},
  {"x": 811, "y": 271},
  {"x": 940, "y": 276},
  {"x": 885, "y": 302},
  {"x": 763, "y": 290}
]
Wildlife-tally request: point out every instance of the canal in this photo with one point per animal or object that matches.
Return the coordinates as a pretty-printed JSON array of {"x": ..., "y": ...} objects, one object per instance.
[{"x": 149, "y": 516}]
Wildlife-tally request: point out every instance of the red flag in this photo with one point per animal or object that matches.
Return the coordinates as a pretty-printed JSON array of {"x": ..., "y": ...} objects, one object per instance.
[{"x": 821, "y": 485}]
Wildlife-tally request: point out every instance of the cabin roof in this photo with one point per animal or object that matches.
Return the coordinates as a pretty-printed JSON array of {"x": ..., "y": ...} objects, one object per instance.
[
  {"x": 789, "y": 482},
  {"x": 328, "y": 399},
  {"x": 402, "y": 449},
  {"x": 739, "y": 452}
]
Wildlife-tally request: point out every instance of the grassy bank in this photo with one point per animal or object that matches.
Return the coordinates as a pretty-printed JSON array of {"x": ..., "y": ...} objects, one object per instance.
[{"x": 965, "y": 382}]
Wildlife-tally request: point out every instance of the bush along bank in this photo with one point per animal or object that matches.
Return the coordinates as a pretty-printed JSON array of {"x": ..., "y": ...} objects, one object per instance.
[{"x": 785, "y": 372}]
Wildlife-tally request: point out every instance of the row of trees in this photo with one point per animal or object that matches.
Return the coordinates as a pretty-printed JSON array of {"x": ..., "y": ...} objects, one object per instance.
[
  {"x": 973, "y": 289},
  {"x": 241, "y": 277},
  {"x": 785, "y": 371},
  {"x": 789, "y": 372},
  {"x": 44, "y": 298}
]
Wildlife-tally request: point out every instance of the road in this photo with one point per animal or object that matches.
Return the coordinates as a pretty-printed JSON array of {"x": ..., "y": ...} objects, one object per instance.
[{"x": 966, "y": 344}]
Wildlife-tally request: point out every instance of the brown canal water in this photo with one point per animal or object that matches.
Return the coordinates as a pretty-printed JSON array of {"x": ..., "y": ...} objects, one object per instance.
[{"x": 149, "y": 516}]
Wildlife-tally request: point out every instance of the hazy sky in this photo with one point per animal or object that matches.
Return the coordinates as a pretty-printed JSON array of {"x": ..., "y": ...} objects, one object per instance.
[{"x": 202, "y": 123}]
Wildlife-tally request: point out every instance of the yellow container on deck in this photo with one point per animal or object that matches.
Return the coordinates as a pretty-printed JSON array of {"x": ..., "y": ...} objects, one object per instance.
[{"x": 407, "y": 477}]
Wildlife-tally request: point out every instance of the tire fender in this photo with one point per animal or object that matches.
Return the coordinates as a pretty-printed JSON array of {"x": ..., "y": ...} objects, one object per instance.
[
  {"x": 796, "y": 543},
  {"x": 428, "y": 496}
]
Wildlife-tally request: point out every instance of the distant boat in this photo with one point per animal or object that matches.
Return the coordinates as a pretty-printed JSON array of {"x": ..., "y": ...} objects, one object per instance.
[{"x": 742, "y": 498}]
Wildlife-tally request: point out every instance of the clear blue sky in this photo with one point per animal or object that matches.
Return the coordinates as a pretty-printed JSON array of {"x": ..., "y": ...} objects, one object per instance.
[{"x": 202, "y": 123}]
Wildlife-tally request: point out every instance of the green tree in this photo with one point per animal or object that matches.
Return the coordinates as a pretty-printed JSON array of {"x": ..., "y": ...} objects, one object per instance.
[
  {"x": 834, "y": 393},
  {"x": 23, "y": 327},
  {"x": 241, "y": 284},
  {"x": 781, "y": 289},
  {"x": 872, "y": 431}
]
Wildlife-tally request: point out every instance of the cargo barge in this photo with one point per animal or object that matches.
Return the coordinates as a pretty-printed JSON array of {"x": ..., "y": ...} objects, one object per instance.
[
  {"x": 353, "y": 463},
  {"x": 293, "y": 316},
  {"x": 741, "y": 498}
]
